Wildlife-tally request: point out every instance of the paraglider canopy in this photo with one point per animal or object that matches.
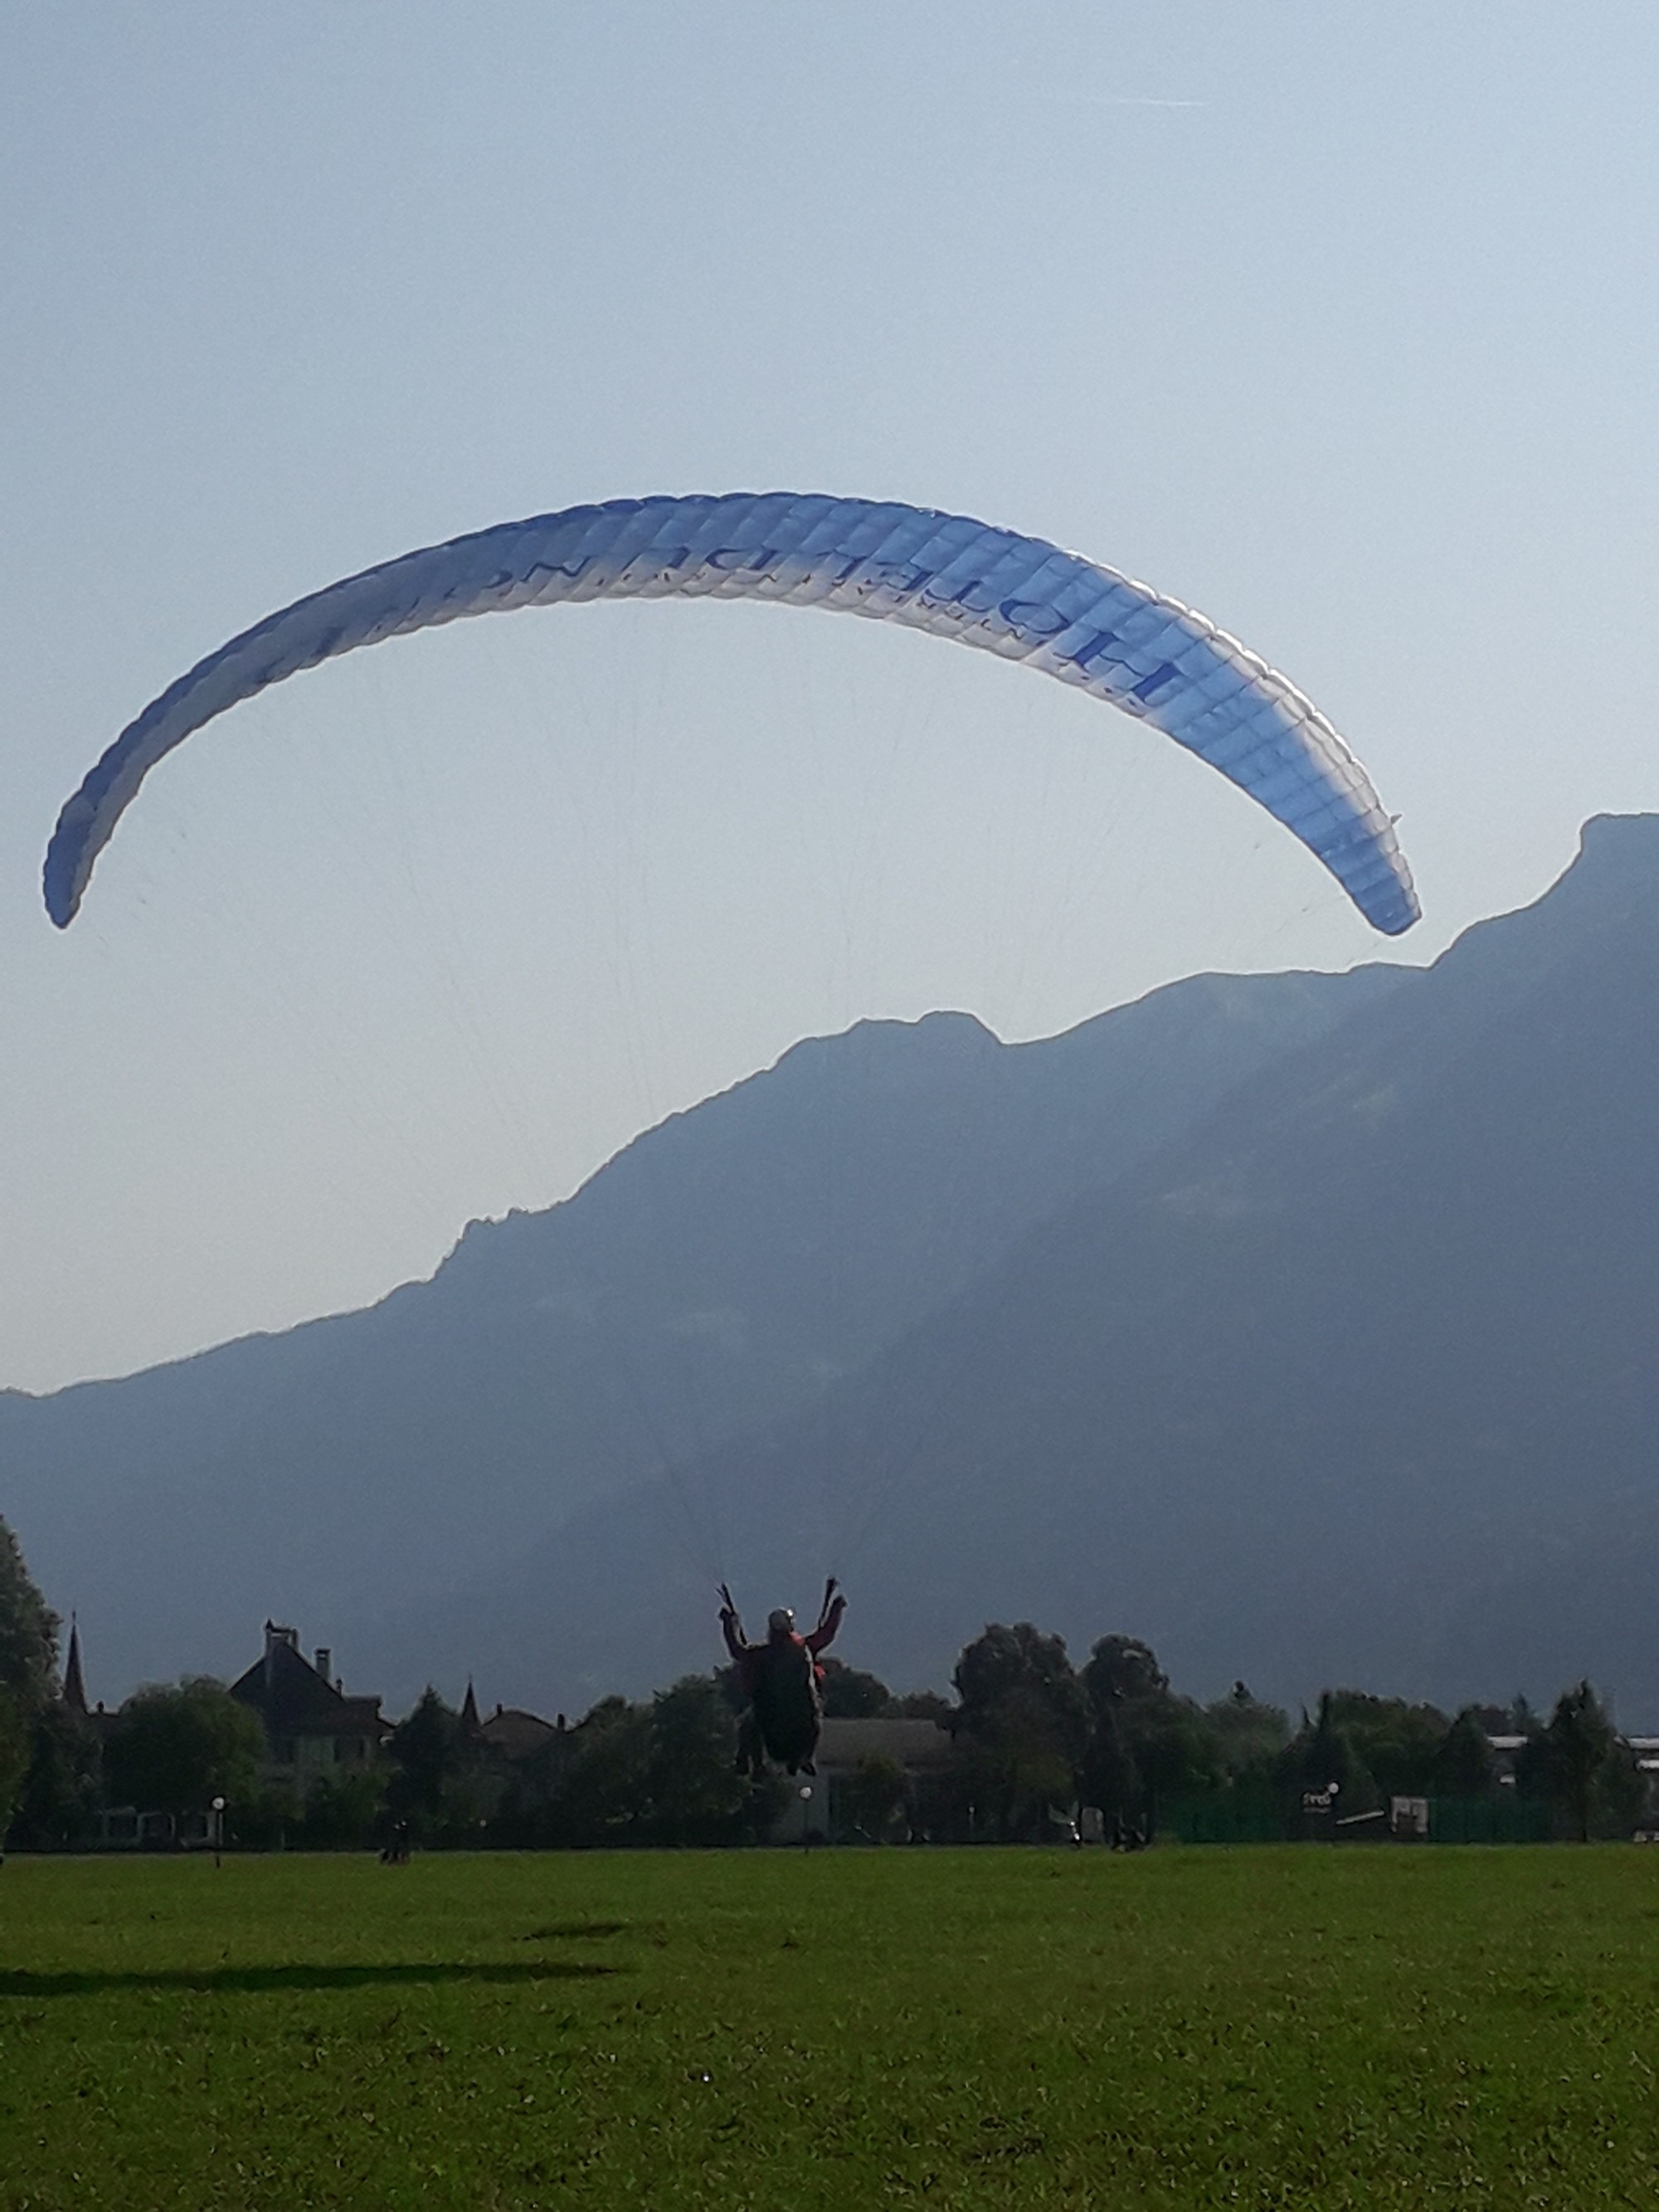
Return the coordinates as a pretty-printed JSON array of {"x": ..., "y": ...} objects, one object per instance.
[{"x": 1020, "y": 597}]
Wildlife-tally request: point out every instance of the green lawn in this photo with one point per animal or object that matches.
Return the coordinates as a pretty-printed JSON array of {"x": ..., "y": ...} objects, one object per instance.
[{"x": 786, "y": 2032}]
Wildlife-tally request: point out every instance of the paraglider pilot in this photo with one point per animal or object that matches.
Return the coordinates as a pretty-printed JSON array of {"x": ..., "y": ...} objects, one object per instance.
[{"x": 783, "y": 1682}]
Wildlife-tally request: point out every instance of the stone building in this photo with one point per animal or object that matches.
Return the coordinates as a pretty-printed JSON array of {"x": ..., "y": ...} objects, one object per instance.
[{"x": 311, "y": 1727}]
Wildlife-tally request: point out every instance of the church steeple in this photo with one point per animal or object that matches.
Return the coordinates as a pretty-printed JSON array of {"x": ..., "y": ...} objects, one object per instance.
[
  {"x": 75, "y": 1688},
  {"x": 470, "y": 1720}
]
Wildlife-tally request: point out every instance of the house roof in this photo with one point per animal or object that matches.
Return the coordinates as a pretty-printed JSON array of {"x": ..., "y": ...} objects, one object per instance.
[
  {"x": 292, "y": 1699},
  {"x": 514, "y": 1733}
]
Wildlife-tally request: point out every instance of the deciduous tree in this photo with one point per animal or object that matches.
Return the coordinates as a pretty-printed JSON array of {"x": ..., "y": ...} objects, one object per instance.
[
  {"x": 919, "y": 1705},
  {"x": 1396, "y": 1742},
  {"x": 15, "y": 1739},
  {"x": 1249, "y": 1737},
  {"x": 693, "y": 1793},
  {"x": 174, "y": 1749},
  {"x": 343, "y": 1811},
  {"x": 1146, "y": 1745},
  {"x": 28, "y": 1632},
  {"x": 604, "y": 1796},
  {"x": 850, "y": 1694},
  {"x": 58, "y": 1799},
  {"x": 1022, "y": 1727}
]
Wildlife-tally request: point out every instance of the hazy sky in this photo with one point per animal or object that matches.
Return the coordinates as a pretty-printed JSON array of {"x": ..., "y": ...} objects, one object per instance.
[{"x": 1340, "y": 324}]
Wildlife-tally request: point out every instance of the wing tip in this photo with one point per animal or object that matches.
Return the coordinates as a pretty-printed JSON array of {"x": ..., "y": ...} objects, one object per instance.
[
  {"x": 1393, "y": 914},
  {"x": 62, "y": 882}
]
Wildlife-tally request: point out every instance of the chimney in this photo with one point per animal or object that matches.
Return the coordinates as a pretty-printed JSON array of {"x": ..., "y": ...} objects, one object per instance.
[
  {"x": 325, "y": 1663},
  {"x": 276, "y": 1636}
]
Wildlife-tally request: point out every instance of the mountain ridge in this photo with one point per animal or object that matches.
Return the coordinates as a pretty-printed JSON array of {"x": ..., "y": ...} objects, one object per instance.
[
  {"x": 1424, "y": 1416},
  {"x": 1299, "y": 1322},
  {"x": 677, "y": 1299}
]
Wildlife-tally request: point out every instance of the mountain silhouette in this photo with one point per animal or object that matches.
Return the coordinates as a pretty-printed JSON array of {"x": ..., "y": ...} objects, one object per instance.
[
  {"x": 729, "y": 1267},
  {"x": 1352, "y": 1380},
  {"x": 1303, "y": 1325}
]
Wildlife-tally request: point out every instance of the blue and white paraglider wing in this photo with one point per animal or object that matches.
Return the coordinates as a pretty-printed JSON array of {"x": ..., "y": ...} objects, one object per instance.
[{"x": 1015, "y": 595}]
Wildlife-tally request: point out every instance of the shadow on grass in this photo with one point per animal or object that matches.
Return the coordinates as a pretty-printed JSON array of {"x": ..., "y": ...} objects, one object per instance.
[
  {"x": 209, "y": 1981},
  {"x": 566, "y": 1931}
]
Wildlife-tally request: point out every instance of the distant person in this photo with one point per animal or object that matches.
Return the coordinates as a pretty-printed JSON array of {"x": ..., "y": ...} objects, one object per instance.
[{"x": 783, "y": 1683}]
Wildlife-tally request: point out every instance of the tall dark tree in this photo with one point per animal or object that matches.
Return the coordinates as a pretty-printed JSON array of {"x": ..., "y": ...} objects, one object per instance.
[
  {"x": 919, "y": 1705},
  {"x": 58, "y": 1800},
  {"x": 28, "y": 1671},
  {"x": 1249, "y": 1737},
  {"x": 604, "y": 1793},
  {"x": 431, "y": 1760},
  {"x": 1175, "y": 1752},
  {"x": 1146, "y": 1745},
  {"x": 665, "y": 1773},
  {"x": 1111, "y": 1779},
  {"x": 850, "y": 1694},
  {"x": 1581, "y": 1740},
  {"x": 1022, "y": 1729},
  {"x": 1322, "y": 1756},
  {"x": 17, "y": 1739},
  {"x": 694, "y": 1794},
  {"x": 1004, "y": 1661},
  {"x": 174, "y": 1749},
  {"x": 28, "y": 1632},
  {"x": 1397, "y": 1743},
  {"x": 1122, "y": 1669},
  {"x": 1578, "y": 1763},
  {"x": 1464, "y": 1766}
]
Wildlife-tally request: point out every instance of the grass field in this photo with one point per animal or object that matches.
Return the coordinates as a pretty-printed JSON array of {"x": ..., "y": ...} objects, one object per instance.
[{"x": 768, "y": 2032}]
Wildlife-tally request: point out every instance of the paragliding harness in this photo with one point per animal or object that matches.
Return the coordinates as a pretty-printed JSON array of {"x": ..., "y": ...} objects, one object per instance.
[{"x": 785, "y": 1686}]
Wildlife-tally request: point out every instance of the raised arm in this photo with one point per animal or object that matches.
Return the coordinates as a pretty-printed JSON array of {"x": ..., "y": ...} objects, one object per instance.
[
  {"x": 732, "y": 1628},
  {"x": 829, "y": 1621}
]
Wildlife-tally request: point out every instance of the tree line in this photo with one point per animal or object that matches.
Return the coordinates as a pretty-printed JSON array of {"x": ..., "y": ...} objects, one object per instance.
[
  {"x": 1030, "y": 1737},
  {"x": 1031, "y": 1731}
]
